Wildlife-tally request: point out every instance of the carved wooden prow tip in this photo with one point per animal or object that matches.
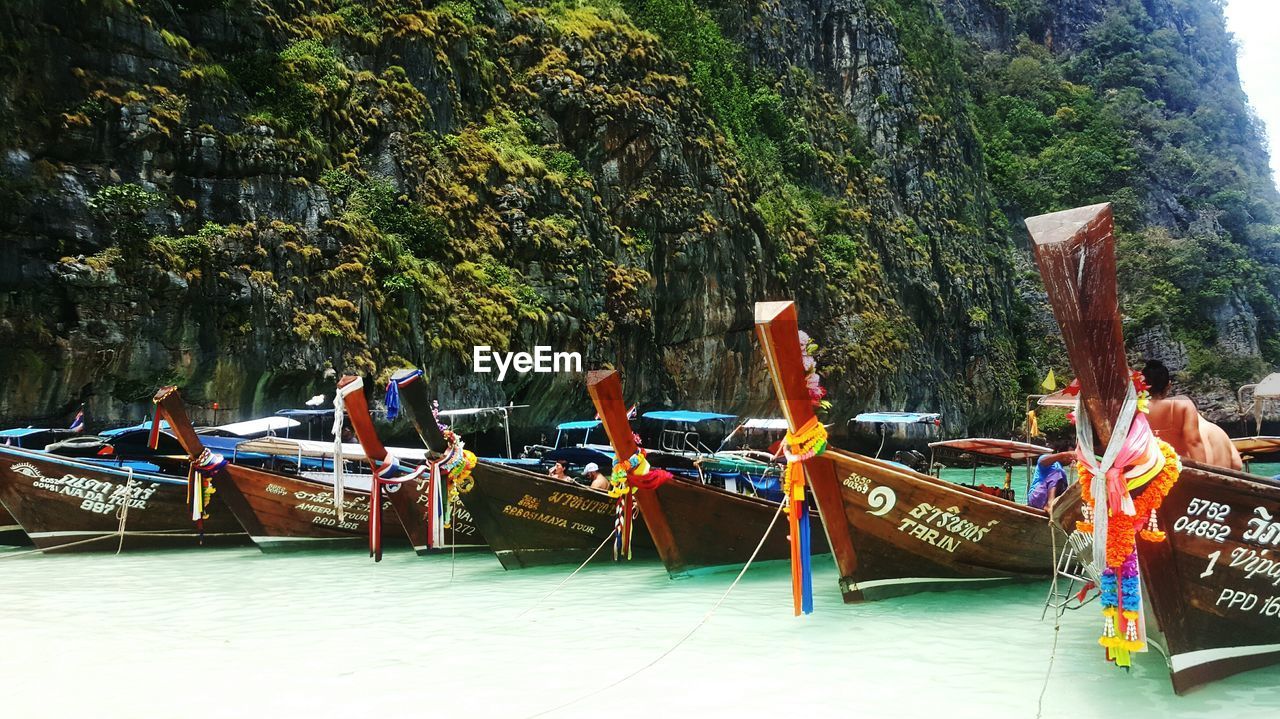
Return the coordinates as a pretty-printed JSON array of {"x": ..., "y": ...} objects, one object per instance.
[
  {"x": 357, "y": 408},
  {"x": 169, "y": 401},
  {"x": 777, "y": 326},
  {"x": 415, "y": 398},
  {"x": 1075, "y": 250},
  {"x": 605, "y": 388},
  {"x": 1069, "y": 224}
]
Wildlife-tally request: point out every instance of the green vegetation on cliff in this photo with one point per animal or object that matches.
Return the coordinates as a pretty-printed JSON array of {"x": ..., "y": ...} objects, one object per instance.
[{"x": 239, "y": 194}]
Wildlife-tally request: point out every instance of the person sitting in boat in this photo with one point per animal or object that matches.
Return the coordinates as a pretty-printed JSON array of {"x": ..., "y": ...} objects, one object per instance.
[
  {"x": 557, "y": 472},
  {"x": 1177, "y": 421},
  {"x": 1050, "y": 479},
  {"x": 597, "y": 479}
]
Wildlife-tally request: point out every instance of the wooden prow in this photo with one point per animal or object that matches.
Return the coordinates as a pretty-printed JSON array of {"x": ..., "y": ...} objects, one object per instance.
[
  {"x": 778, "y": 329},
  {"x": 605, "y": 389},
  {"x": 169, "y": 402},
  {"x": 362, "y": 423},
  {"x": 416, "y": 401},
  {"x": 1075, "y": 250}
]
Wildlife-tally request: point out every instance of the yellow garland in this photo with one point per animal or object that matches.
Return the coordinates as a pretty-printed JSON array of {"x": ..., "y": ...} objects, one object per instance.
[
  {"x": 618, "y": 484},
  {"x": 808, "y": 442}
]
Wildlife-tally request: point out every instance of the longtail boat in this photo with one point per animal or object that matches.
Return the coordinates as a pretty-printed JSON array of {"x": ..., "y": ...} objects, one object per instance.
[
  {"x": 280, "y": 512},
  {"x": 1204, "y": 555},
  {"x": 415, "y": 494},
  {"x": 892, "y": 530},
  {"x": 695, "y": 526},
  {"x": 71, "y": 505},
  {"x": 528, "y": 519}
]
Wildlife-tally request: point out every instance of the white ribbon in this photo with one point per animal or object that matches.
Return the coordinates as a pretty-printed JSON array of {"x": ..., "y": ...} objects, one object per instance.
[
  {"x": 339, "y": 414},
  {"x": 1098, "y": 486}
]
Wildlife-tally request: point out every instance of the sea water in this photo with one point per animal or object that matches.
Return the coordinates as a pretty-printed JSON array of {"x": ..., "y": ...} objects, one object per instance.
[{"x": 237, "y": 633}]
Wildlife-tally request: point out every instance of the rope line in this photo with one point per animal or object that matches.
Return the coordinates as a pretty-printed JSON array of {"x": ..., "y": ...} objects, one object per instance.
[
  {"x": 100, "y": 537},
  {"x": 1057, "y": 626},
  {"x": 123, "y": 512},
  {"x": 705, "y": 618},
  {"x": 566, "y": 579}
]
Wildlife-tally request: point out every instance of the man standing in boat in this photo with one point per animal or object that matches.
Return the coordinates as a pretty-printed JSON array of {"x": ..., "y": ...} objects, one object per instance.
[{"x": 1177, "y": 421}]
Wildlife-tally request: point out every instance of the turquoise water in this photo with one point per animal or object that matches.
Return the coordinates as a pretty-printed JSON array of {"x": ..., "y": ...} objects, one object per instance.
[{"x": 226, "y": 633}]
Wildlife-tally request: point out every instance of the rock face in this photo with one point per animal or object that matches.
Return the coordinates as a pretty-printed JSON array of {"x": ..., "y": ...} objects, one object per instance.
[{"x": 245, "y": 197}]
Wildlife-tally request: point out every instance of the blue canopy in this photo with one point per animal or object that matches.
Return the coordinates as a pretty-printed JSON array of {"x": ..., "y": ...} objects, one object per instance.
[
  {"x": 579, "y": 424},
  {"x": 164, "y": 424},
  {"x": 899, "y": 417},
  {"x": 578, "y": 456},
  {"x": 221, "y": 444},
  {"x": 681, "y": 415},
  {"x": 518, "y": 461},
  {"x": 21, "y": 432}
]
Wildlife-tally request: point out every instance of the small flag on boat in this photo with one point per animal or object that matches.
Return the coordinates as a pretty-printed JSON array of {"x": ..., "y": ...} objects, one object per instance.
[
  {"x": 631, "y": 413},
  {"x": 1050, "y": 383},
  {"x": 77, "y": 424}
]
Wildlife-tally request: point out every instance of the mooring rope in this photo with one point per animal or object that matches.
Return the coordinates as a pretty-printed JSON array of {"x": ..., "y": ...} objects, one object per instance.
[
  {"x": 122, "y": 513},
  {"x": 99, "y": 538},
  {"x": 453, "y": 549},
  {"x": 705, "y": 618},
  {"x": 1057, "y": 626},
  {"x": 566, "y": 579}
]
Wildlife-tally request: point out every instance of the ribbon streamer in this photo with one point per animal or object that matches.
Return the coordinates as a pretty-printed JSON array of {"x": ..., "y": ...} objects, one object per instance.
[
  {"x": 799, "y": 447},
  {"x": 339, "y": 416}
]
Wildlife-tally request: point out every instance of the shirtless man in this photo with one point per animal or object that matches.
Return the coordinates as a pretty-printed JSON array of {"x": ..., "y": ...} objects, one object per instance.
[
  {"x": 593, "y": 474},
  {"x": 1176, "y": 421}
]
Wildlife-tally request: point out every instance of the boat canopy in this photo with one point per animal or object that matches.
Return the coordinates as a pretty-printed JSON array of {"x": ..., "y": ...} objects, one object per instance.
[
  {"x": 578, "y": 424},
  {"x": 284, "y": 447},
  {"x": 478, "y": 410},
  {"x": 261, "y": 426},
  {"x": 1057, "y": 399},
  {"x": 20, "y": 432},
  {"x": 765, "y": 423},
  {"x": 682, "y": 415},
  {"x": 1257, "y": 445},
  {"x": 303, "y": 413},
  {"x": 995, "y": 448},
  {"x": 900, "y": 417},
  {"x": 144, "y": 425}
]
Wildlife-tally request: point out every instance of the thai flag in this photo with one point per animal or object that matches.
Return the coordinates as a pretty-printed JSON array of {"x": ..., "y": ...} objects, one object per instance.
[
  {"x": 631, "y": 413},
  {"x": 77, "y": 424}
]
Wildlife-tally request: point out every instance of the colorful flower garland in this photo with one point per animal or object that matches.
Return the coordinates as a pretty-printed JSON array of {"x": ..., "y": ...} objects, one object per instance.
[
  {"x": 626, "y": 479},
  {"x": 799, "y": 447},
  {"x": 457, "y": 463},
  {"x": 1120, "y": 592}
]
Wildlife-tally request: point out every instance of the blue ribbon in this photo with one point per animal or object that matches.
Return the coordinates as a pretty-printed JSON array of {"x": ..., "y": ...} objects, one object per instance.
[
  {"x": 806, "y": 570},
  {"x": 392, "y": 400}
]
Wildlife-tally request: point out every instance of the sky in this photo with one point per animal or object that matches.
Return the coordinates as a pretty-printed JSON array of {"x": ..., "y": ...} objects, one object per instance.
[{"x": 1256, "y": 26}]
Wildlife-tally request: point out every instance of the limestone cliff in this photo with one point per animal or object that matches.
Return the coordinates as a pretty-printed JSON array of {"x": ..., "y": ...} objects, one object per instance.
[{"x": 239, "y": 195}]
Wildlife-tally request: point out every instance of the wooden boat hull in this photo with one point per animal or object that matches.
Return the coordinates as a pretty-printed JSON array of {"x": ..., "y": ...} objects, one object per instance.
[
  {"x": 11, "y": 534},
  {"x": 1213, "y": 586},
  {"x": 912, "y": 532},
  {"x": 284, "y": 513},
  {"x": 59, "y": 502},
  {"x": 413, "y": 506},
  {"x": 530, "y": 520},
  {"x": 711, "y": 529}
]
